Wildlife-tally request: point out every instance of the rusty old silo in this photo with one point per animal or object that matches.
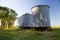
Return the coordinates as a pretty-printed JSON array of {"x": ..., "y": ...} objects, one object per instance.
[{"x": 41, "y": 16}]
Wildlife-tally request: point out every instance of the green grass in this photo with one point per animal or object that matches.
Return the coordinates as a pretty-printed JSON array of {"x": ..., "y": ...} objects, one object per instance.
[{"x": 29, "y": 35}]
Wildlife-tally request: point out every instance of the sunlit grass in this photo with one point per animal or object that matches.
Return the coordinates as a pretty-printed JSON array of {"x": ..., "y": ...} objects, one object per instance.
[{"x": 6, "y": 28}]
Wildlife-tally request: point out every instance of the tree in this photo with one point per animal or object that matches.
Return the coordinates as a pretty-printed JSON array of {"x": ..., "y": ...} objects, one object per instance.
[{"x": 7, "y": 16}]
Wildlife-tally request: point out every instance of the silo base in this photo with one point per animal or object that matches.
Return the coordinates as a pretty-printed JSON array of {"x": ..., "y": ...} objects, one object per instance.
[
  {"x": 42, "y": 28},
  {"x": 38, "y": 28}
]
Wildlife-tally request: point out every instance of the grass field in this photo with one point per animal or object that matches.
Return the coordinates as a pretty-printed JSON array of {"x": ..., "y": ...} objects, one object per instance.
[{"x": 29, "y": 35}]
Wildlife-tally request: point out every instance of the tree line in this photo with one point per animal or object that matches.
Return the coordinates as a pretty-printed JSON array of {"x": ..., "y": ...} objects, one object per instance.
[{"x": 7, "y": 17}]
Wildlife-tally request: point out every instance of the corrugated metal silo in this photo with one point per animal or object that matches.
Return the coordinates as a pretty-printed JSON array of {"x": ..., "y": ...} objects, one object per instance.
[
  {"x": 41, "y": 16},
  {"x": 20, "y": 21},
  {"x": 27, "y": 20}
]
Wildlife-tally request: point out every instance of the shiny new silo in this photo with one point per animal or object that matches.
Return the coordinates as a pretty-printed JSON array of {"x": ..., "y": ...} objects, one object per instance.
[
  {"x": 41, "y": 16},
  {"x": 27, "y": 20}
]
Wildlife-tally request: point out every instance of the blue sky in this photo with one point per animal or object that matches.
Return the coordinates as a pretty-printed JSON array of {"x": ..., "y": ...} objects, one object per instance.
[{"x": 24, "y": 6}]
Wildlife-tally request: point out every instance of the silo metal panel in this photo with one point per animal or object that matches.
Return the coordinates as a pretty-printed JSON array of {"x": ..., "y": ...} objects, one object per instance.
[{"x": 20, "y": 21}]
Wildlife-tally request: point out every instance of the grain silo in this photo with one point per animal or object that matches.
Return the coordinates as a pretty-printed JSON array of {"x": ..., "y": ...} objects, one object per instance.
[
  {"x": 41, "y": 16},
  {"x": 27, "y": 20},
  {"x": 19, "y": 21}
]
